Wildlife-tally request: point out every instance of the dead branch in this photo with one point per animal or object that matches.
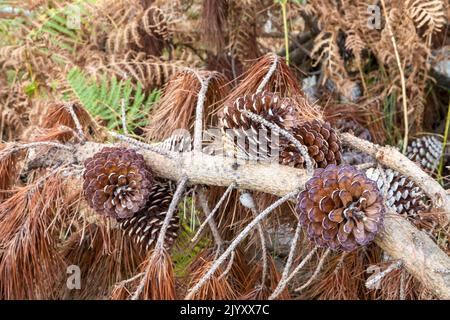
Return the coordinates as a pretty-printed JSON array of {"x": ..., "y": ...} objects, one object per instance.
[{"x": 400, "y": 239}]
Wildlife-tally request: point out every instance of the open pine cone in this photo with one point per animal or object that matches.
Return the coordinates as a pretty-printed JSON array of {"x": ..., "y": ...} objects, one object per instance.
[
  {"x": 270, "y": 106},
  {"x": 402, "y": 195},
  {"x": 341, "y": 208},
  {"x": 145, "y": 225},
  {"x": 319, "y": 138},
  {"x": 117, "y": 182}
]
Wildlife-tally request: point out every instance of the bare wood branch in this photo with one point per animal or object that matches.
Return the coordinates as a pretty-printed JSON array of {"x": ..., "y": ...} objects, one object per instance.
[
  {"x": 400, "y": 239},
  {"x": 392, "y": 158}
]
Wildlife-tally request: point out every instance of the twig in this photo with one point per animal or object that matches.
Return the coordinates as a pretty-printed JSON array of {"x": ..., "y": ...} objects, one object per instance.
[
  {"x": 236, "y": 242},
  {"x": 301, "y": 148},
  {"x": 124, "y": 282},
  {"x": 140, "y": 144},
  {"x": 141, "y": 285},
  {"x": 229, "y": 266},
  {"x": 124, "y": 117},
  {"x": 269, "y": 74},
  {"x": 181, "y": 185},
  {"x": 69, "y": 107},
  {"x": 402, "y": 78},
  {"x": 283, "y": 283},
  {"x": 198, "y": 126},
  {"x": 211, "y": 214},
  {"x": 316, "y": 272},
  {"x": 247, "y": 200},
  {"x": 16, "y": 147},
  {"x": 212, "y": 225},
  {"x": 288, "y": 264},
  {"x": 373, "y": 280}
]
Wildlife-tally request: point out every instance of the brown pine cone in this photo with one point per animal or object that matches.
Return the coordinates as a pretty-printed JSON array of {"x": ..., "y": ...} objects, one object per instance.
[
  {"x": 144, "y": 226},
  {"x": 320, "y": 139},
  {"x": 402, "y": 195},
  {"x": 341, "y": 208},
  {"x": 353, "y": 127},
  {"x": 248, "y": 133},
  {"x": 117, "y": 182}
]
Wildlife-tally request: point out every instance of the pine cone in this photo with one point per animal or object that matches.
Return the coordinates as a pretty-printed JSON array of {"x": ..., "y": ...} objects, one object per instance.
[
  {"x": 270, "y": 106},
  {"x": 144, "y": 226},
  {"x": 426, "y": 151},
  {"x": 353, "y": 127},
  {"x": 117, "y": 182},
  {"x": 402, "y": 195},
  {"x": 341, "y": 208},
  {"x": 320, "y": 139}
]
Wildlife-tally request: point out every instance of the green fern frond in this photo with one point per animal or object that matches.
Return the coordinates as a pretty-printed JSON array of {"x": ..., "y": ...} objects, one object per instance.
[
  {"x": 104, "y": 100},
  {"x": 185, "y": 252},
  {"x": 57, "y": 24}
]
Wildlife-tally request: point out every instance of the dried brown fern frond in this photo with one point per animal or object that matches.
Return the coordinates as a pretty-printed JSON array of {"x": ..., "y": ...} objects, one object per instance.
[
  {"x": 355, "y": 44},
  {"x": 176, "y": 108},
  {"x": 220, "y": 286},
  {"x": 30, "y": 265},
  {"x": 19, "y": 56},
  {"x": 11, "y": 125},
  {"x": 430, "y": 14},
  {"x": 326, "y": 52},
  {"x": 151, "y": 72},
  {"x": 243, "y": 30},
  {"x": 111, "y": 14},
  {"x": 148, "y": 33}
]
